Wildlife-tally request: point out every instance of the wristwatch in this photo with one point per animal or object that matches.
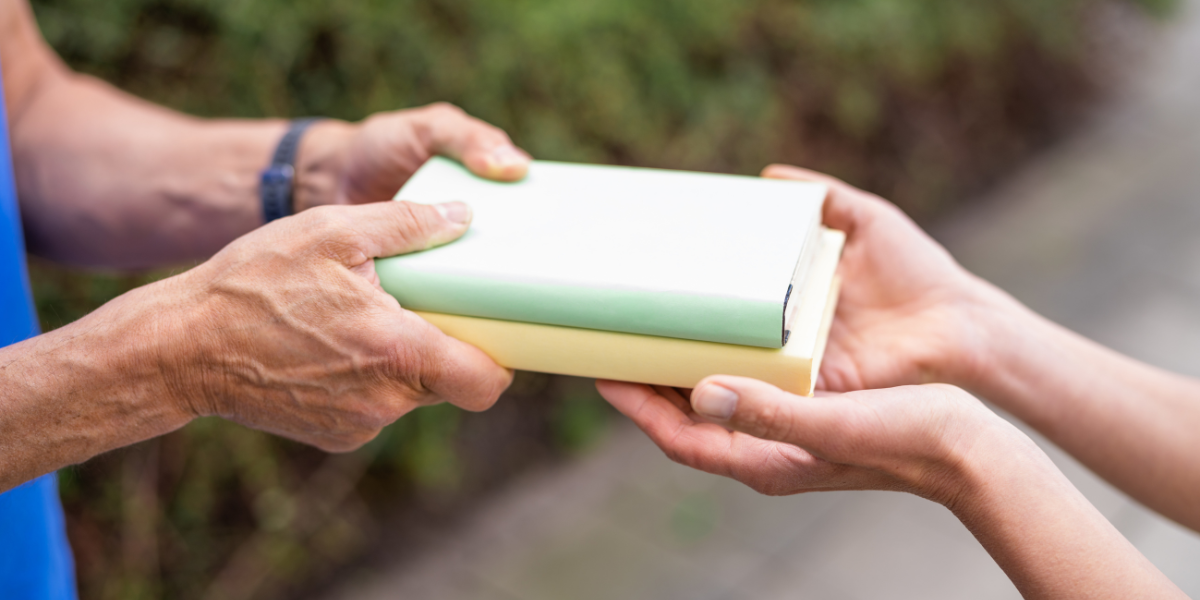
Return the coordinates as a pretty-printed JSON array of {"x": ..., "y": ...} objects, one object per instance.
[{"x": 276, "y": 184}]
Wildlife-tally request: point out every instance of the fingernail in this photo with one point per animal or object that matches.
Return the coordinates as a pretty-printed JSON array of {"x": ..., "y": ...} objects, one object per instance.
[
  {"x": 715, "y": 401},
  {"x": 507, "y": 156},
  {"x": 455, "y": 212}
]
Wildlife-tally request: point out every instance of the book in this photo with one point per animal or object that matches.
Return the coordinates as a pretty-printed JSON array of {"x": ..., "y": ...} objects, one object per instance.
[
  {"x": 667, "y": 361},
  {"x": 673, "y": 254}
]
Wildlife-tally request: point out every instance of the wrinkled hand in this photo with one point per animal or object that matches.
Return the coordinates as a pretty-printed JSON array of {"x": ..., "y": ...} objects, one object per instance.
[
  {"x": 908, "y": 313},
  {"x": 343, "y": 163},
  {"x": 287, "y": 330},
  {"x": 917, "y": 439}
]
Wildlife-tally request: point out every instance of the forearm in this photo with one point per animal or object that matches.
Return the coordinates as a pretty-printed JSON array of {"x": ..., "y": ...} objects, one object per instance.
[
  {"x": 92, "y": 386},
  {"x": 108, "y": 180},
  {"x": 1050, "y": 541},
  {"x": 1131, "y": 423}
]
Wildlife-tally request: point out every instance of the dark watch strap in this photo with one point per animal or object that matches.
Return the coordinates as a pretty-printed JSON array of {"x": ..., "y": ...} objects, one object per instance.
[{"x": 276, "y": 183}]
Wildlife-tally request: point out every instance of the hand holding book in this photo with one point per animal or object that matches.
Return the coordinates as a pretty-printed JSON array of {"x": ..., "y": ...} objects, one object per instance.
[
  {"x": 637, "y": 274},
  {"x": 909, "y": 313}
]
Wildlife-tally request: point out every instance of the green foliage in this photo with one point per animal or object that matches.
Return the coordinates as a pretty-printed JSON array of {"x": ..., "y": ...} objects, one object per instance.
[
  {"x": 579, "y": 418},
  {"x": 904, "y": 96},
  {"x": 919, "y": 100}
]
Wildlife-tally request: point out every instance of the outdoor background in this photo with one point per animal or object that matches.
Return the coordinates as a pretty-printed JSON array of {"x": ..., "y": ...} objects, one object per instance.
[{"x": 923, "y": 101}]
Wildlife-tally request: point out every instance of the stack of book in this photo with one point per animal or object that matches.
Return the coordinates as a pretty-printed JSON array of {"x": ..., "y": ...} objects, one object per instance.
[{"x": 652, "y": 276}]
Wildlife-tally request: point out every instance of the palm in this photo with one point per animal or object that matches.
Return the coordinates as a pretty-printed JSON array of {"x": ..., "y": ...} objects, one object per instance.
[{"x": 770, "y": 467}]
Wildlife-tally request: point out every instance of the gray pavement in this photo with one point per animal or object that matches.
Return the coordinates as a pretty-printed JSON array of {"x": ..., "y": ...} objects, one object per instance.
[{"x": 1099, "y": 236}]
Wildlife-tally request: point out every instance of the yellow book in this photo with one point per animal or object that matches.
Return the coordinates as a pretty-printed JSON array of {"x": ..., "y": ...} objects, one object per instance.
[{"x": 667, "y": 361}]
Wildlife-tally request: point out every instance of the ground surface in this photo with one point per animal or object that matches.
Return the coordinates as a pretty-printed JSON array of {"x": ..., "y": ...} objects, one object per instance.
[{"x": 1100, "y": 236}]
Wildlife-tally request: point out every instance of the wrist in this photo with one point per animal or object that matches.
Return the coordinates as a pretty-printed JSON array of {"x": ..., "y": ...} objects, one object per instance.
[
  {"x": 987, "y": 466},
  {"x": 146, "y": 334},
  {"x": 959, "y": 442},
  {"x": 89, "y": 387},
  {"x": 1046, "y": 536},
  {"x": 320, "y": 164},
  {"x": 991, "y": 325}
]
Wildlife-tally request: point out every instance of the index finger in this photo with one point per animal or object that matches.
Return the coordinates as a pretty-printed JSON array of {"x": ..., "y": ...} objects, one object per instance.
[
  {"x": 845, "y": 207},
  {"x": 483, "y": 148},
  {"x": 768, "y": 467},
  {"x": 454, "y": 371}
]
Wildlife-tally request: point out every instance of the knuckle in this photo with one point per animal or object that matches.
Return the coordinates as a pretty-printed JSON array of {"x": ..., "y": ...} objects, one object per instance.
[
  {"x": 768, "y": 486},
  {"x": 479, "y": 403},
  {"x": 771, "y": 421},
  {"x": 329, "y": 231},
  {"x": 376, "y": 119},
  {"x": 418, "y": 220},
  {"x": 682, "y": 454},
  {"x": 493, "y": 393},
  {"x": 446, "y": 108},
  {"x": 326, "y": 222},
  {"x": 441, "y": 111},
  {"x": 677, "y": 455}
]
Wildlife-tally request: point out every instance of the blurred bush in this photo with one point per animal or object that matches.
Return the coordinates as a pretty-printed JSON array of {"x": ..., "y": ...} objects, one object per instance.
[
  {"x": 923, "y": 101},
  {"x": 914, "y": 99}
]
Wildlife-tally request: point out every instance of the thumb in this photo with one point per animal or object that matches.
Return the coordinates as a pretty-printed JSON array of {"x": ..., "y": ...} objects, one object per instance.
[
  {"x": 384, "y": 229},
  {"x": 765, "y": 411}
]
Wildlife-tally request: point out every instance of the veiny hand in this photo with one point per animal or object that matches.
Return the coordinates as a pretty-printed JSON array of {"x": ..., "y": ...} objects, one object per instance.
[
  {"x": 908, "y": 312},
  {"x": 916, "y": 439},
  {"x": 287, "y": 330},
  {"x": 342, "y": 163}
]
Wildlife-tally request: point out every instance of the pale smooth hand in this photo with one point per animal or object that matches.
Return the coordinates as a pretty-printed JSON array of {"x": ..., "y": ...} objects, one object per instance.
[
  {"x": 915, "y": 439},
  {"x": 908, "y": 313}
]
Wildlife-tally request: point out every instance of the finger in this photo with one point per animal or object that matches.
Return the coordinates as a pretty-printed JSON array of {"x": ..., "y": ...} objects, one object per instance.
[
  {"x": 674, "y": 397},
  {"x": 456, "y": 372},
  {"x": 698, "y": 445},
  {"x": 485, "y": 149},
  {"x": 800, "y": 174},
  {"x": 667, "y": 424},
  {"x": 631, "y": 399},
  {"x": 768, "y": 467},
  {"x": 384, "y": 229},
  {"x": 845, "y": 208},
  {"x": 765, "y": 411}
]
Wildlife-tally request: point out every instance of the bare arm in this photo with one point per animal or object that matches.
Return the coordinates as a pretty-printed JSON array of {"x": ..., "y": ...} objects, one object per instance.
[
  {"x": 106, "y": 179},
  {"x": 910, "y": 314},
  {"x": 933, "y": 441},
  {"x": 285, "y": 330},
  {"x": 1134, "y": 425}
]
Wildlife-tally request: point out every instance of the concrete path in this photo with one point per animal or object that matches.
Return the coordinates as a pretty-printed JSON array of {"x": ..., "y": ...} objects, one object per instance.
[{"x": 1100, "y": 236}]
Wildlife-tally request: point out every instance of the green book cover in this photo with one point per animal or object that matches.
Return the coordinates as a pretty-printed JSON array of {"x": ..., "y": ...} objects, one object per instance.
[{"x": 665, "y": 253}]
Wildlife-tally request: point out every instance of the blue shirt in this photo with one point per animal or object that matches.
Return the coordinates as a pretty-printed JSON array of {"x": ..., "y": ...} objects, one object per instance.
[{"x": 35, "y": 559}]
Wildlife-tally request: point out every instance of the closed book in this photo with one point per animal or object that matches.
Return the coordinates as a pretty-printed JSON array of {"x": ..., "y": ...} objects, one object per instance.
[
  {"x": 667, "y": 361},
  {"x": 669, "y": 254}
]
